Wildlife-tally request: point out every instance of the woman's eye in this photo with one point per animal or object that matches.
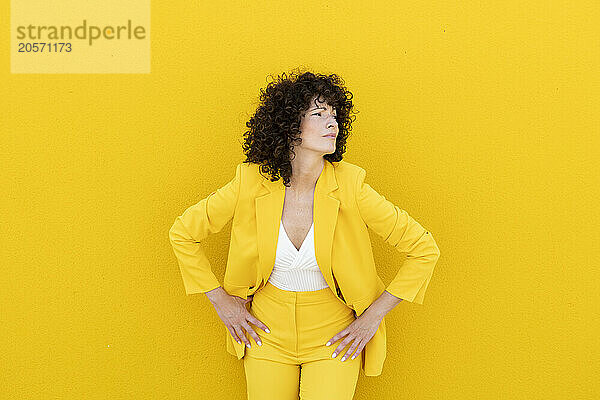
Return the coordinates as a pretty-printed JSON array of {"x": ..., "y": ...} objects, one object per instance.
[{"x": 319, "y": 114}]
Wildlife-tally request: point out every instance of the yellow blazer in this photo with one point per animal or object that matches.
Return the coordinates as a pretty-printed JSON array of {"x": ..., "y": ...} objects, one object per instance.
[{"x": 344, "y": 207}]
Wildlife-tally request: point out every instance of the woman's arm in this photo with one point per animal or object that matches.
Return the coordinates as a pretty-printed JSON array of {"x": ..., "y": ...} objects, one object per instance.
[
  {"x": 208, "y": 216},
  {"x": 406, "y": 235}
]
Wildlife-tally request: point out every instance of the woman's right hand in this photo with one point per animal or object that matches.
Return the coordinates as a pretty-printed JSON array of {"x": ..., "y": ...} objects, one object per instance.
[{"x": 234, "y": 314}]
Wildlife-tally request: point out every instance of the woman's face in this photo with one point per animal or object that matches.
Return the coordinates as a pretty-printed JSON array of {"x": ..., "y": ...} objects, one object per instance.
[{"x": 319, "y": 128}]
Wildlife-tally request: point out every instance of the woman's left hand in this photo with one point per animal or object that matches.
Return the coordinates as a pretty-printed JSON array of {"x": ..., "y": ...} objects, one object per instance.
[{"x": 360, "y": 331}]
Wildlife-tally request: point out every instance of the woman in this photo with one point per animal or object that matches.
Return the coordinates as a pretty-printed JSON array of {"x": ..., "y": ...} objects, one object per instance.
[{"x": 300, "y": 265}]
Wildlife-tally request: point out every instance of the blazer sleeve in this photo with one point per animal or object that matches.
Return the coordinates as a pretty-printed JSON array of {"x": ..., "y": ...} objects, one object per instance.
[
  {"x": 207, "y": 216},
  {"x": 401, "y": 231}
]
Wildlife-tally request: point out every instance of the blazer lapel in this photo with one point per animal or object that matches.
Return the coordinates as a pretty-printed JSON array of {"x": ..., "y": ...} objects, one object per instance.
[{"x": 269, "y": 209}]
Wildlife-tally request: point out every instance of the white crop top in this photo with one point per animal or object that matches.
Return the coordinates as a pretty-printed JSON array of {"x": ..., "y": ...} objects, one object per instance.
[{"x": 296, "y": 270}]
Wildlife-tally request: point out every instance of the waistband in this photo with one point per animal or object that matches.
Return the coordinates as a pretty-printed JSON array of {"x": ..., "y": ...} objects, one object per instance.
[{"x": 289, "y": 296}]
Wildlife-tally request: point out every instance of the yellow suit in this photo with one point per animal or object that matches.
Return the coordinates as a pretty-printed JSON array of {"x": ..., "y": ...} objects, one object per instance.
[{"x": 344, "y": 207}]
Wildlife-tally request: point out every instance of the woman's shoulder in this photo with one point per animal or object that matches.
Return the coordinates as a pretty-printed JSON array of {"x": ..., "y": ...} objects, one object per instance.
[
  {"x": 250, "y": 174},
  {"x": 346, "y": 167},
  {"x": 249, "y": 171},
  {"x": 347, "y": 172}
]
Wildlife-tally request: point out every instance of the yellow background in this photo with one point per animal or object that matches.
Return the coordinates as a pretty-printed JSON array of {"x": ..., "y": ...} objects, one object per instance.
[{"x": 480, "y": 120}]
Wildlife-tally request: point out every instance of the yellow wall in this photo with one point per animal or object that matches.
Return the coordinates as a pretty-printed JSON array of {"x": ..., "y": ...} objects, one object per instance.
[{"x": 481, "y": 121}]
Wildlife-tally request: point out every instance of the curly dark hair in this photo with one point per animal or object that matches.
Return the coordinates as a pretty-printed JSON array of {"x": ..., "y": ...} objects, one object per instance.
[{"x": 274, "y": 128}]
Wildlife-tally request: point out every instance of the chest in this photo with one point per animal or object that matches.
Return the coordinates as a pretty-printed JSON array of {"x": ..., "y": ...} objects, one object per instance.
[{"x": 297, "y": 217}]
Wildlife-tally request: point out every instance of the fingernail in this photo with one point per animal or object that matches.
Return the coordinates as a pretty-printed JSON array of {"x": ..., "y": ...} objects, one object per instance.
[
  {"x": 328, "y": 343},
  {"x": 333, "y": 355},
  {"x": 267, "y": 330},
  {"x": 343, "y": 358},
  {"x": 353, "y": 356},
  {"x": 260, "y": 343},
  {"x": 247, "y": 345}
]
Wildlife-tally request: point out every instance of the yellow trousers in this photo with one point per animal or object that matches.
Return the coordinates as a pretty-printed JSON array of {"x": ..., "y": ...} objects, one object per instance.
[{"x": 293, "y": 361}]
